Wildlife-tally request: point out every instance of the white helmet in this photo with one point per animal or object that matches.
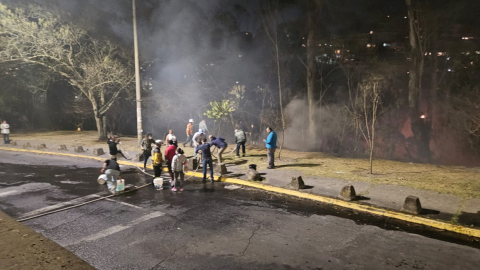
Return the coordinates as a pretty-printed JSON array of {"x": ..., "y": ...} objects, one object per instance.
[
  {"x": 191, "y": 121},
  {"x": 159, "y": 142}
]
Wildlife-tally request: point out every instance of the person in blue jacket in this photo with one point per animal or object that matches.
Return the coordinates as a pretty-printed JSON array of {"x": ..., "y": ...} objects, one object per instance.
[
  {"x": 271, "y": 143},
  {"x": 220, "y": 143}
]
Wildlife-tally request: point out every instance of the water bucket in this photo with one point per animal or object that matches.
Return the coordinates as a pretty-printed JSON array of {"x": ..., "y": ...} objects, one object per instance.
[
  {"x": 252, "y": 166},
  {"x": 102, "y": 179},
  {"x": 158, "y": 183},
  {"x": 120, "y": 185}
]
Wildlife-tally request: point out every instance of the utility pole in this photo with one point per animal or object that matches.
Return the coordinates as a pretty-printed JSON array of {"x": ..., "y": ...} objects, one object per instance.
[{"x": 137, "y": 77}]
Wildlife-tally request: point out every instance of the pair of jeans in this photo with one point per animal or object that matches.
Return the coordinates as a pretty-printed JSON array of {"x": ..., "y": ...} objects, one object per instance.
[
  {"x": 189, "y": 140},
  {"x": 179, "y": 178},
  {"x": 208, "y": 161},
  {"x": 146, "y": 155},
  {"x": 6, "y": 138},
  {"x": 112, "y": 177},
  {"x": 157, "y": 171},
  {"x": 242, "y": 144},
  {"x": 271, "y": 157}
]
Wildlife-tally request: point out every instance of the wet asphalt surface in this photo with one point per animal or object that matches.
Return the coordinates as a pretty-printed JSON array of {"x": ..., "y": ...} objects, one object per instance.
[{"x": 210, "y": 227}]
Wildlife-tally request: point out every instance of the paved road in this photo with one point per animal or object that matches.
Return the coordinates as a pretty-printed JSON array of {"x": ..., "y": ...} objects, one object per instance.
[{"x": 207, "y": 226}]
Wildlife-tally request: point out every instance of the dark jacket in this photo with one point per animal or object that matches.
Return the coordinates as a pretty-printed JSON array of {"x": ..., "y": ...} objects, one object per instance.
[
  {"x": 112, "y": 165},
  {"x": 147, "y": 144},
  {"x": 219, "y": 142},
  {"x": 112, "y": 146},
  {"x": 205, "y": 148}
]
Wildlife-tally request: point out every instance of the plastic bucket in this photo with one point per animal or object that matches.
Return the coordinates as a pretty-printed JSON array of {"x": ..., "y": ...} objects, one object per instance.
[
  {"x": 102, "y": 179},
  {"x": 120, "y": 185},
  {"x": 252, "y": 166},
  {"x": 158, "y": 183}
]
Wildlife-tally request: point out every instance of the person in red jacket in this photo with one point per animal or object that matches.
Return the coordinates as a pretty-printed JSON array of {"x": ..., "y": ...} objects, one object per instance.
[{"x": 169, "y": 154}]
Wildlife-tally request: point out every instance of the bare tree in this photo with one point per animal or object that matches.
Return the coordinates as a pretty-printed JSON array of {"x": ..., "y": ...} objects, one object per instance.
[{"x": 99, "y": 70}]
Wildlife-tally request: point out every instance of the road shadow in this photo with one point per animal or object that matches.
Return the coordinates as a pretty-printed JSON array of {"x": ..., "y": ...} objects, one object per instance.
[
  {"x": 361, "y": 198},
  {"x": 238, "y": 162},
  {"x": 470, "y": 219},
  {"x": 429, "y": 212},
  {"x": 304, "y": 165}
]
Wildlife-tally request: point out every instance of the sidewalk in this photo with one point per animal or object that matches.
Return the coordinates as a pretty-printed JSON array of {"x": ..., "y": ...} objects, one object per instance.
[
  {"x": 436, "y": 206},
  {"x": 23, "y": 248}
]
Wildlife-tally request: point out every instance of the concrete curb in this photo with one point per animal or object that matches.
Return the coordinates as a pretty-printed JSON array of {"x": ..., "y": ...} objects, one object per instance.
[{"x": 345, "y": 204}]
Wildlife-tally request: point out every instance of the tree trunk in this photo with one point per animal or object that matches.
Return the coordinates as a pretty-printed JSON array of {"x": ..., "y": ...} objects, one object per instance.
[
  {"x": 420, "y": 132},
  {"x": 311, "y": 69},
  {"x": 102, "y": 133}
]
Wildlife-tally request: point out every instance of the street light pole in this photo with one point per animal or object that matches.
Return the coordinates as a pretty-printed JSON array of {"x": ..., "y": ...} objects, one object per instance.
[{"x": 137, "y": 77}]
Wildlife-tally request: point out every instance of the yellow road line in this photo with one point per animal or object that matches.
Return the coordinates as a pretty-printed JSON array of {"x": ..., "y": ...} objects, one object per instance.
[{"x": 345, "y": 204}]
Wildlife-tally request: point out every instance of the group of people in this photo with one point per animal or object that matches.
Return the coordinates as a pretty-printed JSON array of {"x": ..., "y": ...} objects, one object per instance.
[{"x": 174, "y": 156}]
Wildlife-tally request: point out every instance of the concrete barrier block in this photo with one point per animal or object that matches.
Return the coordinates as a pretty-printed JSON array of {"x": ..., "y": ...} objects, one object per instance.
[
  {"x": 98, "y": 151},
  {"x": 412, "y": 205},
  {"x": 26, "y": 145},
  {"x": 297, "y": 183},
  {"x": 78, "y": 149},
  {"x": 192, "y": 164},
  {"x": 41, "y": 146},
  {"x": 220, "y": 168},
  {"x": 348, "y": 193},
  {"x": 253, "y": 175},
  {"x": 62, "y": 147}
]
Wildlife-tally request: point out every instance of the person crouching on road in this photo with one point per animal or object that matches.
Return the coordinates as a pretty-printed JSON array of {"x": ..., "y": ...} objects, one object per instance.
[
  {"x": 157, "y": 158},
  {"x": 179, "y": 160},
  {"x": 6, "y": 132},
  {"x": 112, "y": 171},
  {"x": 220, "y": 143},
  {"x": 206, "y": 159},
  {"x": 147, "y": 149},
  {"x": 169, "y": 154},
  {"x": 271, "y": 143},
  {"x": 112, "y": 146},
  {"x": 198, "y": 139},
  {"x": 240, "y": 140}
]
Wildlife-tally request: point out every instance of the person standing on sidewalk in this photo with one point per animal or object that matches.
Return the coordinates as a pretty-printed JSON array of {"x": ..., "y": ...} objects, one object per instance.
[
  {"x": 5, "y": 131},
  {"x": 198, "y": 139},
  {"x": 112, "y": 171},
  {"x": 157, "y": 159},
  {"x": 206, "y": 159},
  {"x": 271, "y": 143},
  {"x": 147, "y": 149},
  {"x": 179, "y": 160},
  {"x": 240, "y": 140},
  {"x": 203, "y": 126},
  {"x": 171, "y": 137},
  {"x": 169, "y": 154},
  {"x": 220, "y": 143},
  {"x": 189, "y": 133}
]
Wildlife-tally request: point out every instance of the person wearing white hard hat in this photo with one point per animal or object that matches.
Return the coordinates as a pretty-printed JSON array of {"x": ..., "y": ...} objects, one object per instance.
[
  {"x": 197, "y": 139},
  {"x": 157, "y": 159},
  {"x": 189, "y": 133}
]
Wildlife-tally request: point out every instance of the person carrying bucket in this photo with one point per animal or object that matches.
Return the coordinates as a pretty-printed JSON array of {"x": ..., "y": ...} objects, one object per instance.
[
  {"x": 112, "y": 172},
  {"x": 157, "y": 159}
]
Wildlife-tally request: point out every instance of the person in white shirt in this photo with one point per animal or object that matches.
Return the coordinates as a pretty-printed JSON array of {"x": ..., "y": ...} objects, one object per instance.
[
  {"x": 197, "y": 139},
  {"x": 171, "y": 137},
  {"x": 203, "y": 126},
  {"x": 6, "y": 132},
  {"x": 178, "y": 161}
]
